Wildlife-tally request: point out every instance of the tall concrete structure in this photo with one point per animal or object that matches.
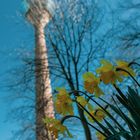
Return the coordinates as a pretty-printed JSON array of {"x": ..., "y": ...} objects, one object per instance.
[{"x": 39, "y": 16}]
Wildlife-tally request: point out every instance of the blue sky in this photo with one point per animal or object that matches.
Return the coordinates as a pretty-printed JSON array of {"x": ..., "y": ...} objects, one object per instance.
[{"x": 13, "y": 33}]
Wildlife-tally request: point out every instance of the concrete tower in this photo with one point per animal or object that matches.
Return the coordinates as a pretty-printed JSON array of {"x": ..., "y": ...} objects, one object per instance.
[{"x": 39, "y": 16}]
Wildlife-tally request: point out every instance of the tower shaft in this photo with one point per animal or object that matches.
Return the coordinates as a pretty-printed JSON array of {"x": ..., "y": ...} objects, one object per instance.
[
  {"x": 44, "y": 102},
  {"x": 39, "y": 17}
]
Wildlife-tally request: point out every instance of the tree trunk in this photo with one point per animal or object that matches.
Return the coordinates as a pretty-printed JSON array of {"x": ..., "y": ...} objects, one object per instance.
[{"x": 44, "y": 101}]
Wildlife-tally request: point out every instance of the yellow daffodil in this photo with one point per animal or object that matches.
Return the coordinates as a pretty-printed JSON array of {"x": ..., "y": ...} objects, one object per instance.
[
  {"x": 125, "y": 66},
  {"x": 82, "y": 101},
  {"x": 100, "y": 136},
  {"x": 55, "y": 127},
  {"x": 91, "y": 84},
  {"x": 63, "y": 103},
  {"x": 98, "y": 114},
  {"x": 108, "y": 73}
]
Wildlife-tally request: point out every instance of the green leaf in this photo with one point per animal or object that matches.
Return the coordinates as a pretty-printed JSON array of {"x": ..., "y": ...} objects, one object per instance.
[{"x": 110, "y": 127}]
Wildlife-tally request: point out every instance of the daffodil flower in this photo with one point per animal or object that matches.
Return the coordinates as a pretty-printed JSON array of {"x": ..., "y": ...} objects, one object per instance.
[
  {"x": 63, "y": 103},
  {"x": 82, "y": 101},
  {"x": 55, "y": 127},
  {"x": 100, "y": 136},
  {"x": 91, "y": 84},
  {"x": 108, "y": 73},
  {"x": 98, "y": 114}
]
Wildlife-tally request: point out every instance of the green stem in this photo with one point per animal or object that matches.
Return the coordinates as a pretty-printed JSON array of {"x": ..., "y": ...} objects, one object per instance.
[
  {"x": 83, "y": 120},
  {"x": 119, "y": 69},
  {"x": 120, "y": 127},
  {"x": 133, "y": 63},
  {"x": 99, "y": 124},
  {"x": 84, "y": 123}
]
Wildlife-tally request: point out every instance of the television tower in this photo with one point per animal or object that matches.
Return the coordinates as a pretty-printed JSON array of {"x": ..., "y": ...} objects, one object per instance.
[{"x": 38, "y": 15}]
